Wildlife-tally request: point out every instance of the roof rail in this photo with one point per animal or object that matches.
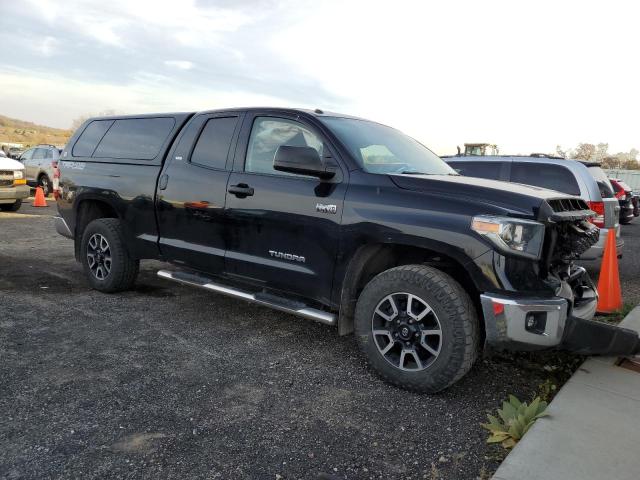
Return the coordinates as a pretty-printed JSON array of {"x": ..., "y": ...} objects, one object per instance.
[{"x": 546, "y": 155}]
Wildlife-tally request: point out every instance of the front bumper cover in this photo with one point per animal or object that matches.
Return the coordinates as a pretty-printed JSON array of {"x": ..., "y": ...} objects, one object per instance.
[
  {"x": 538, "y": 324},
  {"x": 11, "y": 194},
  {"x": 61, "y": 227}
]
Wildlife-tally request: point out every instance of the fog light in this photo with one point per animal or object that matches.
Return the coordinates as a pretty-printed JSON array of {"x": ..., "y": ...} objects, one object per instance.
[{"x": 536, "y": 322}]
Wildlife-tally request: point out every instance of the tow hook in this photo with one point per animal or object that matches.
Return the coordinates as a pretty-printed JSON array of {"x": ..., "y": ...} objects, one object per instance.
[{"x": 586, "y": 337}]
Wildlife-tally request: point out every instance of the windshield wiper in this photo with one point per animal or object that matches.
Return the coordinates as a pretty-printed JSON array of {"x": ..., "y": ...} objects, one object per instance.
[{"x": 412, "y": 172}]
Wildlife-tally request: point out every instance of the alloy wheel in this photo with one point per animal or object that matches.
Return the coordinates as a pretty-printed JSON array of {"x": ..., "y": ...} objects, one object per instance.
[
  {"x": 99, "y": 256},
  {"x": 406, "y": 331}
]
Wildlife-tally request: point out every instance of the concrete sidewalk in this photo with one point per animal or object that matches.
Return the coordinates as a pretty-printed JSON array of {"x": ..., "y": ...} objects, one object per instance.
[{"x": 593, "y": 428}]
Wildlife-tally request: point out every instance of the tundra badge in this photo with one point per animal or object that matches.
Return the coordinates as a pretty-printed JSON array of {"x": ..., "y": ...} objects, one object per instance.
[{"x": 287, "y": 256}]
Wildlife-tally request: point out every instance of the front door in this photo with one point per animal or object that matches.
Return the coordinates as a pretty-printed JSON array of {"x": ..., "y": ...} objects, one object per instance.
[
  {"x": 283, "y": 229},
  {"x": 192, "y": 190}
]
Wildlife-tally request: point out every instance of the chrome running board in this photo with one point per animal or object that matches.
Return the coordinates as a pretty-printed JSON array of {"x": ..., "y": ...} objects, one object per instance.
[{"x": 267, "y": 300}]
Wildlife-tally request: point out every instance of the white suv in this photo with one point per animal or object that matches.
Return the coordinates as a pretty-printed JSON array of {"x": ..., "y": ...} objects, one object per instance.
[{"x": 13, "y": 185}]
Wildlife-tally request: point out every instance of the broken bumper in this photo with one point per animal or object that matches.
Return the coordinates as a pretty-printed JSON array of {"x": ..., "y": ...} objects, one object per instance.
[{"x": 538, "y": 324}]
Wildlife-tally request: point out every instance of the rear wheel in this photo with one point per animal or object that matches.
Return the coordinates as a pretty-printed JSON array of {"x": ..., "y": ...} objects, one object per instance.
[
  {"x": 417, "y": 328},
  {"x": 107, "y": 263},
  {"x": 11, "y": 207}
]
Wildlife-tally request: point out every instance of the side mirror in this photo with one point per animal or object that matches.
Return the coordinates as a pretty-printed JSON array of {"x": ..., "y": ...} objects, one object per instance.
[{"x": 301, "y": 160}]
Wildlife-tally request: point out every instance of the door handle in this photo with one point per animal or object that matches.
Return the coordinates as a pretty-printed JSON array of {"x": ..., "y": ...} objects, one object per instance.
[
  {"x": 164, "y": 179},
  {"x": 242, "y": 190}
]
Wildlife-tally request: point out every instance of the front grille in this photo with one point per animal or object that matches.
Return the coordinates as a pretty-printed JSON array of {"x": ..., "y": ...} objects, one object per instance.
[
  {"x": 561, "y": 205},
  {"x": 6, "y": 178}
]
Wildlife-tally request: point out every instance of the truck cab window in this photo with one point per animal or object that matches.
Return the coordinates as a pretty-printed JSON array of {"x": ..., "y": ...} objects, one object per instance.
[{"x": 268, "y": 134}]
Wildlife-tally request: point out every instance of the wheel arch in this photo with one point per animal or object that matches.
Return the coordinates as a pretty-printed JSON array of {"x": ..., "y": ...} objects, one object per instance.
[
  {"x": 89, "y": 209},
  {"x": 374, "y": 258}
]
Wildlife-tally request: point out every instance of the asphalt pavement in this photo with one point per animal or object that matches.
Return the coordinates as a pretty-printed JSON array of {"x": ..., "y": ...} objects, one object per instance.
[{"x": 170, "y": 382}]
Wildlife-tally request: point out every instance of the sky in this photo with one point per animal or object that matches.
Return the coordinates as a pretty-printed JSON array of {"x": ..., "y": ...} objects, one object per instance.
[{"x": 527, "y": 75}]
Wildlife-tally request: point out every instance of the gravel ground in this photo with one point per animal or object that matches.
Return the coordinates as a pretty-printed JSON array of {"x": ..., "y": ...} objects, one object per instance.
[{"x": 171, "y": 382}]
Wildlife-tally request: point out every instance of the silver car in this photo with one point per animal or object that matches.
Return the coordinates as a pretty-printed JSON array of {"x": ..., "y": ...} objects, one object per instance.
[
  {"x": 40, "y": 163},
  {"x": 582, "y": 179}
]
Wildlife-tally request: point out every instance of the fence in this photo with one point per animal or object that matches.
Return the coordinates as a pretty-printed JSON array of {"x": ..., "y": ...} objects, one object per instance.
[{"x": 630, "y": 177}]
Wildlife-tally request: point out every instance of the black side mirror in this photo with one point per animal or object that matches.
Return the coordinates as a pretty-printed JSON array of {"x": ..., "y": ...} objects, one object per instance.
[{"x": 301, "y": 160}]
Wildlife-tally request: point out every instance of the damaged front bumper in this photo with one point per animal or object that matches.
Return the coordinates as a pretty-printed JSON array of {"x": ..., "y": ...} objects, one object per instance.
[{"x": 545, "y": 323}]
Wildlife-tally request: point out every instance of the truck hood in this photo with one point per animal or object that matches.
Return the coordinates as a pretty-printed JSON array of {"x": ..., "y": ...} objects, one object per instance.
[
  {"x": 517, "y": 198},
  {"x": 10, "y": 164}
]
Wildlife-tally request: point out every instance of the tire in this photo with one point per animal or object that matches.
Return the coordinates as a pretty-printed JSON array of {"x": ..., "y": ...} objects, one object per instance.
[
  {"x": 11, "y": 207},
  {"x": 103, "y": 239},
  {"x": 440, "y": 303},
  {"x": 45, "y": 183}
]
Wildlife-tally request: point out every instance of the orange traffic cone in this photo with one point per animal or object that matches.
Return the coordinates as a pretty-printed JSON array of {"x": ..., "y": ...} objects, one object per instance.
[
  {"x": 39, "y": 200},
  {"x": 609, "y": 282}
]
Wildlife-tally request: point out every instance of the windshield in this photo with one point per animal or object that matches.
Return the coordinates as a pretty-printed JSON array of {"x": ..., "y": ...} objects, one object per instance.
[{"x": 381, "y": 149}]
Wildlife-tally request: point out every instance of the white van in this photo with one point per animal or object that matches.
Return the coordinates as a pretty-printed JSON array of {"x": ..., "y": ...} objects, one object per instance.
[{"x": 13, "y": 184}]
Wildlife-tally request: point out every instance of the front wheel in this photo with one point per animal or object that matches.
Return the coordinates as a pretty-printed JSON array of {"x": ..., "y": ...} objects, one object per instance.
[
  {"x": 417, "y": 327},
  {"x": 106, "y": 260}
]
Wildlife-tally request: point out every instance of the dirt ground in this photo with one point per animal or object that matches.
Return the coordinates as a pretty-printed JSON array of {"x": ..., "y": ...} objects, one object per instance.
[{"x": 171, "y": 382}]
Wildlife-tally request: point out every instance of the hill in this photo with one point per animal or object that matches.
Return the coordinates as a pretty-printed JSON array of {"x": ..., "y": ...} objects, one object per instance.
[{"x": 27, "y": 133}]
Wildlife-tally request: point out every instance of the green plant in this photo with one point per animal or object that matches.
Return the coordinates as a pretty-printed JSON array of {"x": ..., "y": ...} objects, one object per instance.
[
  {"x": 547, "y": 389},
  {"x": 516, "y": 418}
]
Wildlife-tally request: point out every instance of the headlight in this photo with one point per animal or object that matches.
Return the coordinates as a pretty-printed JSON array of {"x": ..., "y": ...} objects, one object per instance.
[
  {"x": 18, "y": 174},
  {"x": 511, "y": 235}
]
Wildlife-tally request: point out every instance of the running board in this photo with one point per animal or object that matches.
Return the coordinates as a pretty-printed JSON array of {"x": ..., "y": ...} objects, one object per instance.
[{"x": 267, "y": 300}]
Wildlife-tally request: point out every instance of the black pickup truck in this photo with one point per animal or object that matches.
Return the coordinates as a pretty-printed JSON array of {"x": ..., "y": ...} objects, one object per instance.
[{"x": 339, "y": 220}]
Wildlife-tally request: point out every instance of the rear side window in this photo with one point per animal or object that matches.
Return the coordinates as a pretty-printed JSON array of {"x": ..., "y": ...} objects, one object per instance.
[
  {"x": 214, "y": 142},
  {"x": 135, "y": 138},
  {"x": 48, "y": 154},
  {"x": 88, "y": 141},
  {"x": 604, "y": 185},
  {"x": 490, "y": 170},
  {"x": 553, "y": 177}
]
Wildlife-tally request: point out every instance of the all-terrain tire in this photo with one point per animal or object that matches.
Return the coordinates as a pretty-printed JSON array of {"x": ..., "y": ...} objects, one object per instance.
[
  {"x": 11, "y": 207},
  {"x": 123, "y": 268},
  {"x": 455, "y": 313}
]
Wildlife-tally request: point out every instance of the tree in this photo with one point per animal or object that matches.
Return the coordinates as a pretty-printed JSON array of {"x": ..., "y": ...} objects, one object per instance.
[
  {"x": 585, "y": 151},
  {"x": 76, "y": 122}
]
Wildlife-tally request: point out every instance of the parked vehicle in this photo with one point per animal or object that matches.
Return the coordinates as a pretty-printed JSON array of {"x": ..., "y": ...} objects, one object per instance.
[
  {"x": 40, "y": 163},
  {"x": 339, "y": 220},
  {"x": 15, "y": 152},
  {"x": 585, "y": 180},
  {"x": 625, "y": 197},
  {"x": 475, "y": 149},
  {"x": 13, "y": 187}
]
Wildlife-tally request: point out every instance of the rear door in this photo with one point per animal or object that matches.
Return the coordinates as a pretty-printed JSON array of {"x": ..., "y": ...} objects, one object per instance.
[
  {"x": 283, "y": 228},
  {"x": 192, "y": 191}
]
